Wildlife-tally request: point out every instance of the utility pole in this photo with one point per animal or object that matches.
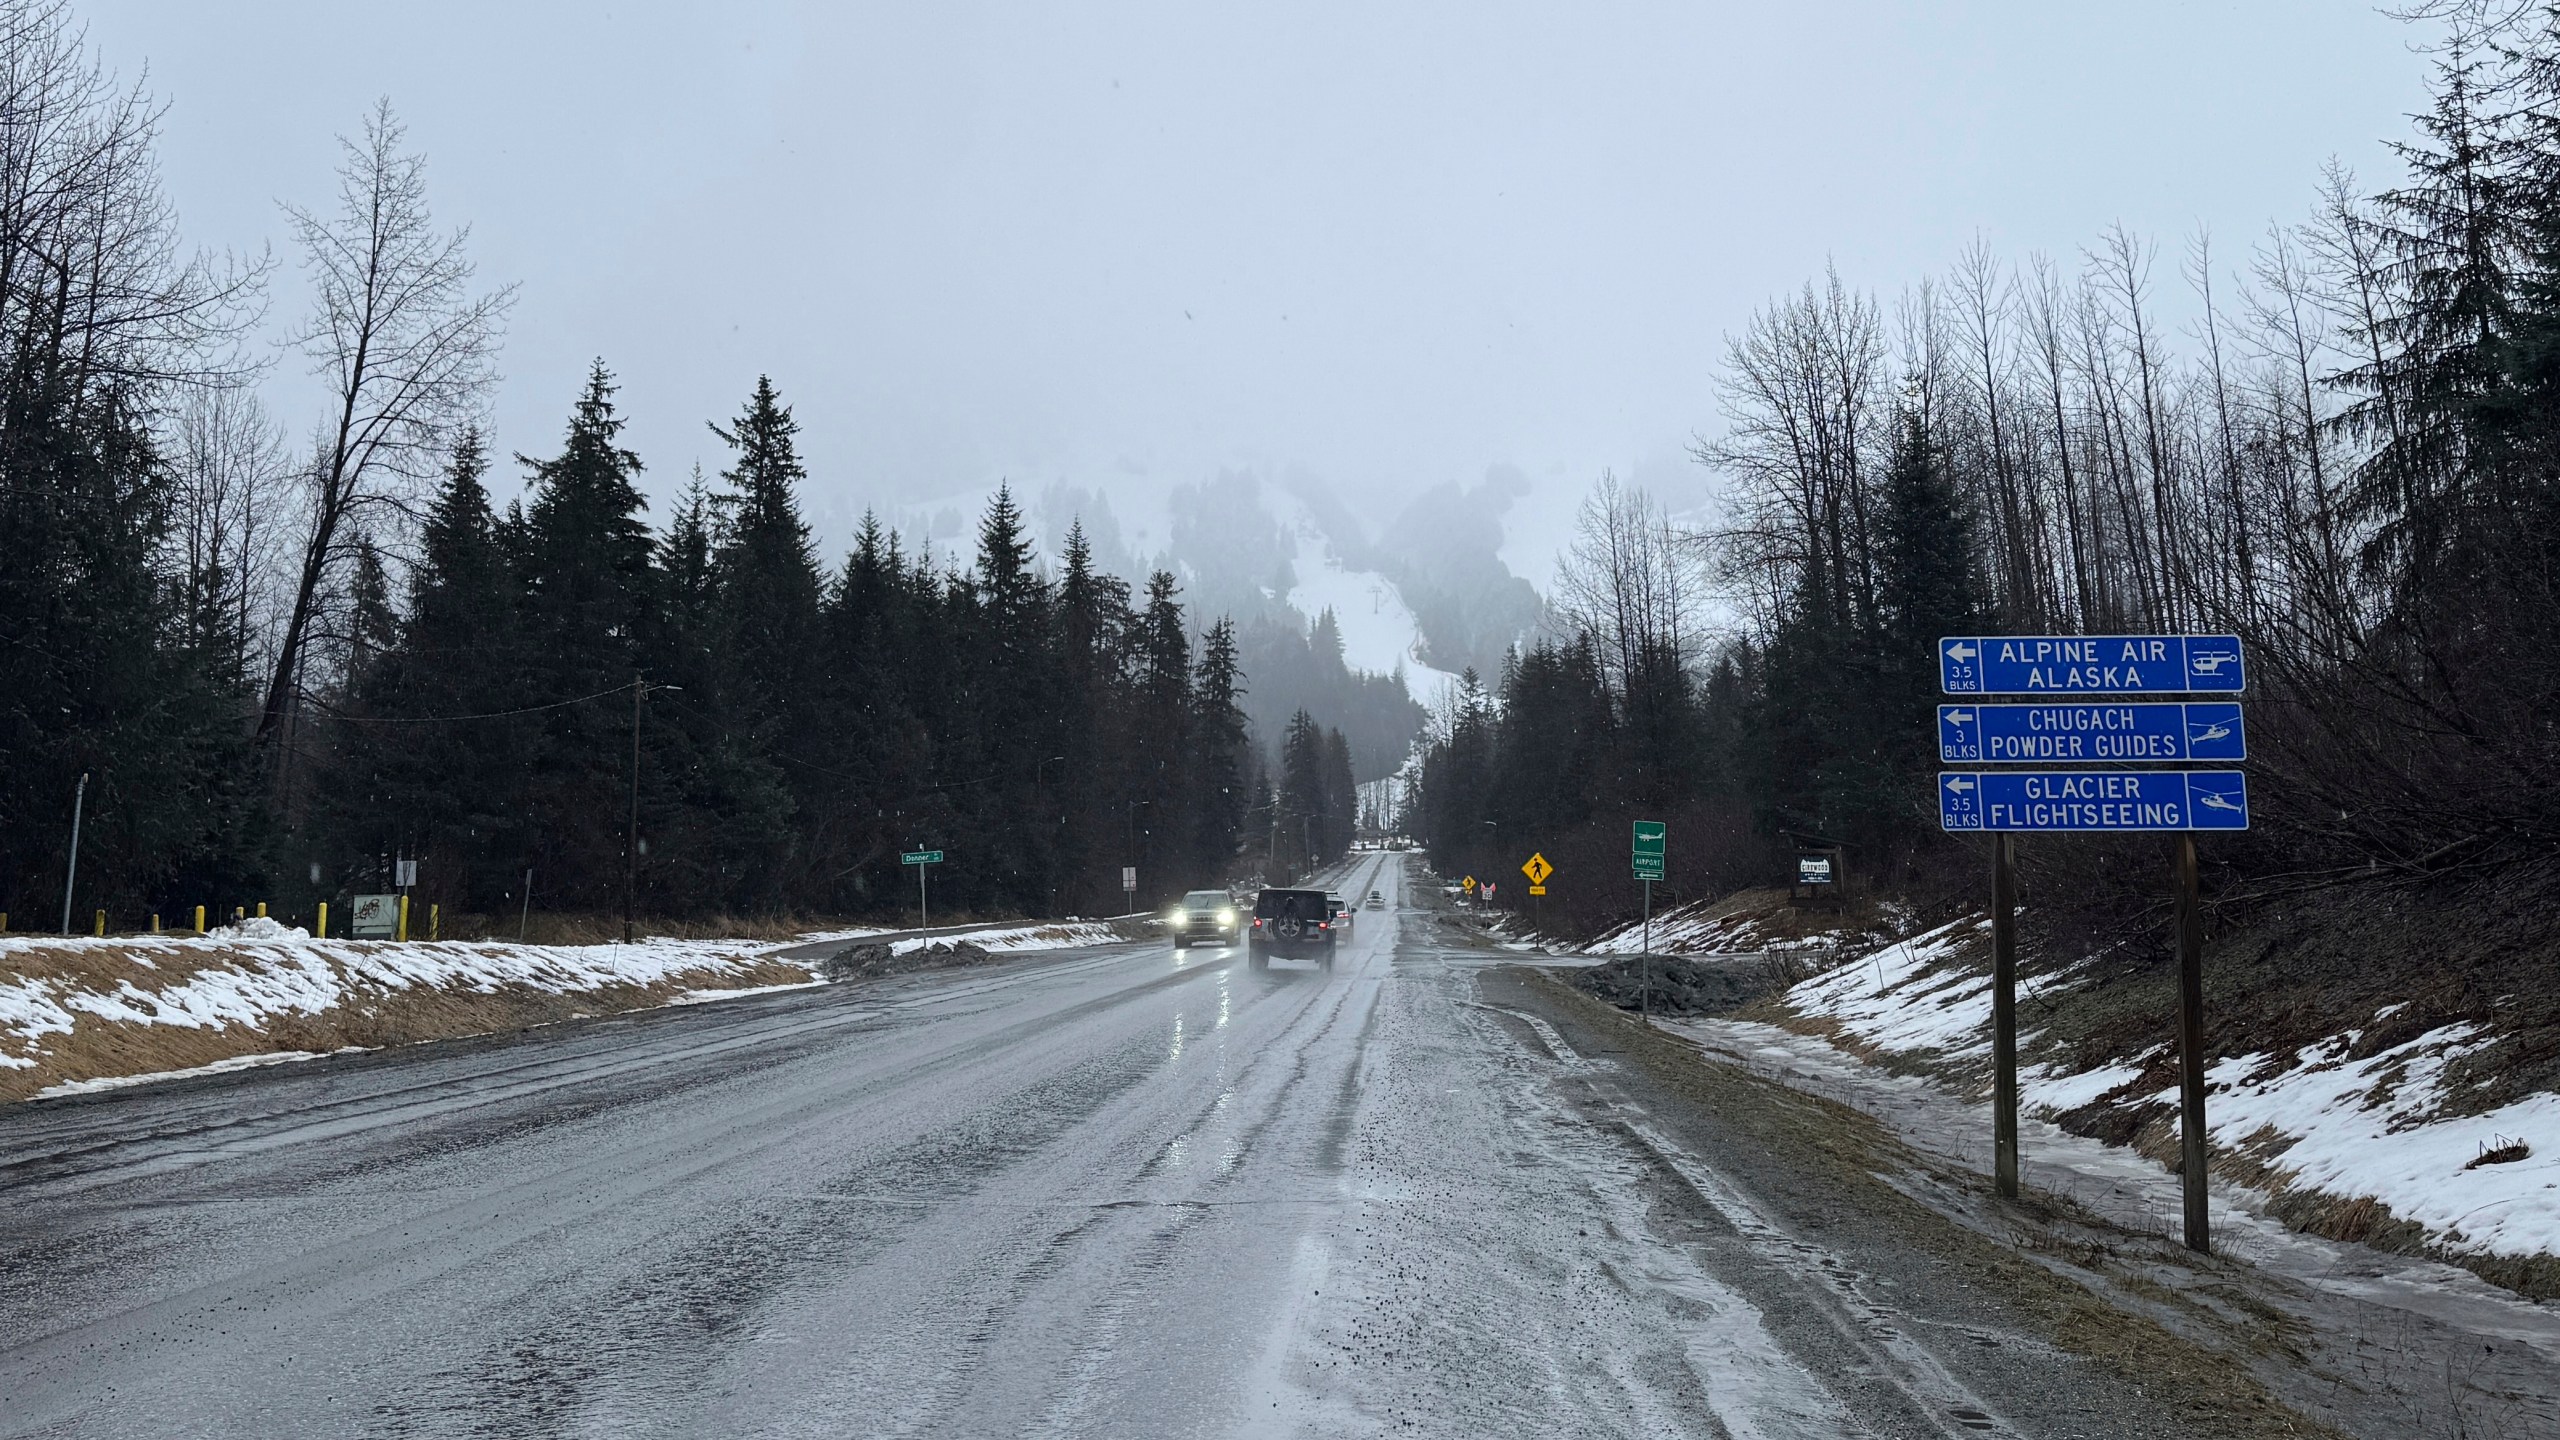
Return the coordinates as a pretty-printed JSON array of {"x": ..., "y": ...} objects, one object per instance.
[
  {"x": 631, "y": 841},
  {"x": 71, "y": 872}
]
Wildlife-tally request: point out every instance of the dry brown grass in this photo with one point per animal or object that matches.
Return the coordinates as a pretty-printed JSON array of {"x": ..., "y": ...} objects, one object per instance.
[{"x": 370, "y": 1016}]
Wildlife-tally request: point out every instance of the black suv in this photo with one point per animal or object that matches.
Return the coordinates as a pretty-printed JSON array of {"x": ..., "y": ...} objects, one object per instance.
[{"x": 1293, "y": 923}]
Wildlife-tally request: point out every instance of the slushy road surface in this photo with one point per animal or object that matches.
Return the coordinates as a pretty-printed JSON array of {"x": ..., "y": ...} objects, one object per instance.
[{"x": 1122, "y": 1192}]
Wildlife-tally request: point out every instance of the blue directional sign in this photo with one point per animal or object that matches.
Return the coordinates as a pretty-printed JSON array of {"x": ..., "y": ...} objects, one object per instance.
[
  {"x": 2089, "y": 664},
  {"x": 2084, "y": 800},
  {"x": 2073, "y": 732}
]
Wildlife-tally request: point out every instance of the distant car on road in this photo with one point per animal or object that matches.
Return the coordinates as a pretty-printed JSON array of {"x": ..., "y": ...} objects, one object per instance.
[
  {"x": 1291, "y": 923},
  {"x": 1377, "y": 901},
  {"x": 1204, "y": 917}
]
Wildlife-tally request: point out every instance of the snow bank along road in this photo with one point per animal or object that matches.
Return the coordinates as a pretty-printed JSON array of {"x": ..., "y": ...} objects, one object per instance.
[{"x": 1124, "y": 1192}]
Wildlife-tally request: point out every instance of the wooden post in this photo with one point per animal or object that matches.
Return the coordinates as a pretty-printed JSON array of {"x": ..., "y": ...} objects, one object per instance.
[
  {"x": 2004, "y": 1014},
  {"x": 2193, "y": 1163}
]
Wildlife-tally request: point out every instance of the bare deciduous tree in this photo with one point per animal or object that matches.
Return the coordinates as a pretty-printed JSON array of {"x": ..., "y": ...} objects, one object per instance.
[
  {"x": 1627, "y": 581},
  {"x": 230, "y": 470},
  {"x": 408, "y": 351}
]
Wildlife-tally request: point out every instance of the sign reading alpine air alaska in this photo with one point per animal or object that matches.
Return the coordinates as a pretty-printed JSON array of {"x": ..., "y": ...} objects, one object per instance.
[
  {"x": 2089, "y": 664},
  {"x": 2077, "y": 731}
]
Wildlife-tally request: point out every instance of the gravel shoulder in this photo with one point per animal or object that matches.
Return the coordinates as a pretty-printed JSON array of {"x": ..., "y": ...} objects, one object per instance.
[{"x": 1851, "y": 1245}]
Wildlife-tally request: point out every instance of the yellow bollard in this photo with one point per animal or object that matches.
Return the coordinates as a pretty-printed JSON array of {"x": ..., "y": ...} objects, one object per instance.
[
  {"x": 434, "y": 927},
  {"x": 4, "y": 922},
  {"x": 320, "y": 931},
  {"x": 199, "y": 919},
  {"x": 262, "y": 909},
  {"x": 404, "y": 918},
  {"x": 102, "y": 924},
  {"x": 155, "y": 922},
  {"x": 238, "y": 914}
]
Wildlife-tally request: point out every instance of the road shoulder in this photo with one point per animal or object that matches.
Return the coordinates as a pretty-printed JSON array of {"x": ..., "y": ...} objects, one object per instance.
[{"x": 1850, "y": 1210}]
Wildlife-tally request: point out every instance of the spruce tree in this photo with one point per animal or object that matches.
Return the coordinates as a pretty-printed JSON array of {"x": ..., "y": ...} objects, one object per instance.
[
  {"x": 590, "y": 599},
  {"x": 768, "y": 574},
  {"x": 1341, "y": 797},
  {"x": 1301, "y": 804},
  {"x": 1218, "y": 729}
]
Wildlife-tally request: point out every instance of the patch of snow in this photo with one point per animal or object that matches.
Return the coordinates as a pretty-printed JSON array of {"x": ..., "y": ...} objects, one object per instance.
[
  {"x": 2372, "y": 1127},
  {"x": 1018, "y": 937},
  {"x": 2126, "y": 1187},
  {"x": 2053, "y": 1091},
  {"x": 2323, "y": 1120},
  {"x": 1378, "y": 630},
  {"x": 706, "y": 997},
  {"x": 260, "y": 927},
  {"x": 218, "y": 1067},
  {"x": 1899, "y": 999},
  {"x": 1700, "y": 929},
  {"x": 249, "y": 974}
]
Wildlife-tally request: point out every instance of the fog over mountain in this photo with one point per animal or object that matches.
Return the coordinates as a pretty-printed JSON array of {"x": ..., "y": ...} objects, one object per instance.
[{"x": 1126, "y": 247}]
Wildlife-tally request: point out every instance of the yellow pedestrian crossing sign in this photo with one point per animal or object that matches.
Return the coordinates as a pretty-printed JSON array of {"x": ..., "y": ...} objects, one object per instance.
[
  {"x": 1470, "y": 882},
  {"x": 1537, "y": 869}
]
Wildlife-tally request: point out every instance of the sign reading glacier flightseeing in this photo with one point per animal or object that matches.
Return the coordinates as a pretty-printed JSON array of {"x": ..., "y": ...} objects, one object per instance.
[
  {"x": 2090, "y": 664},
  {"x": 2071, "y": 732},
  {"x": 2082, "y": 800}
]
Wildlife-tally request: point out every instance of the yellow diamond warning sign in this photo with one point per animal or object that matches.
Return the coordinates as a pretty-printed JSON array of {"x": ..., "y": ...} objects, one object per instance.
[{"x": 1537, "y": 869}]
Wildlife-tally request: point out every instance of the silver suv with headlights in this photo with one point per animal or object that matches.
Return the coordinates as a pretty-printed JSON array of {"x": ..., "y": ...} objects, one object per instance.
[{"x": 1204, "y": 917}]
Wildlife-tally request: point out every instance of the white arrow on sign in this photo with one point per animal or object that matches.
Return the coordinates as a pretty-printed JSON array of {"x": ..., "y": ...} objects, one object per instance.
[
  {"x": 1960, "y": 652},
  {"x": 1960, "y": 717},
  {"x": 1959, "y": 784}
]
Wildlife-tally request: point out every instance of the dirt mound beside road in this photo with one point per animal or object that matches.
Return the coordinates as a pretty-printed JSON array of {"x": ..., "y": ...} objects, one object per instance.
[
  {"x": 1686, "y": 984},
  {"x": 872, "y": 959}
]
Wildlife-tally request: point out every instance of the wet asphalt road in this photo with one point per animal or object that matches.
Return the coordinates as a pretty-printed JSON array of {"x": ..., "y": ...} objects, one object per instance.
[{"x": 1118, "y": 1192}]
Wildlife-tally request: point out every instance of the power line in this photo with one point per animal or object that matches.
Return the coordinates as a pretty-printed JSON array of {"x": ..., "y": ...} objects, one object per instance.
[{"x": 342, "y": 716}]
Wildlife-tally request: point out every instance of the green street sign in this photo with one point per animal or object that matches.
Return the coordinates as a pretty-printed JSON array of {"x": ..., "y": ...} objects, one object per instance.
[
  {"x": 921, "y": 857},
  {"x": 1650, "y": 837}
]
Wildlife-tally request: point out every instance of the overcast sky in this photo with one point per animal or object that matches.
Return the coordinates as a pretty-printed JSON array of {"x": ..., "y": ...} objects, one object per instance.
[{"x": 1128, "y": 244}]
